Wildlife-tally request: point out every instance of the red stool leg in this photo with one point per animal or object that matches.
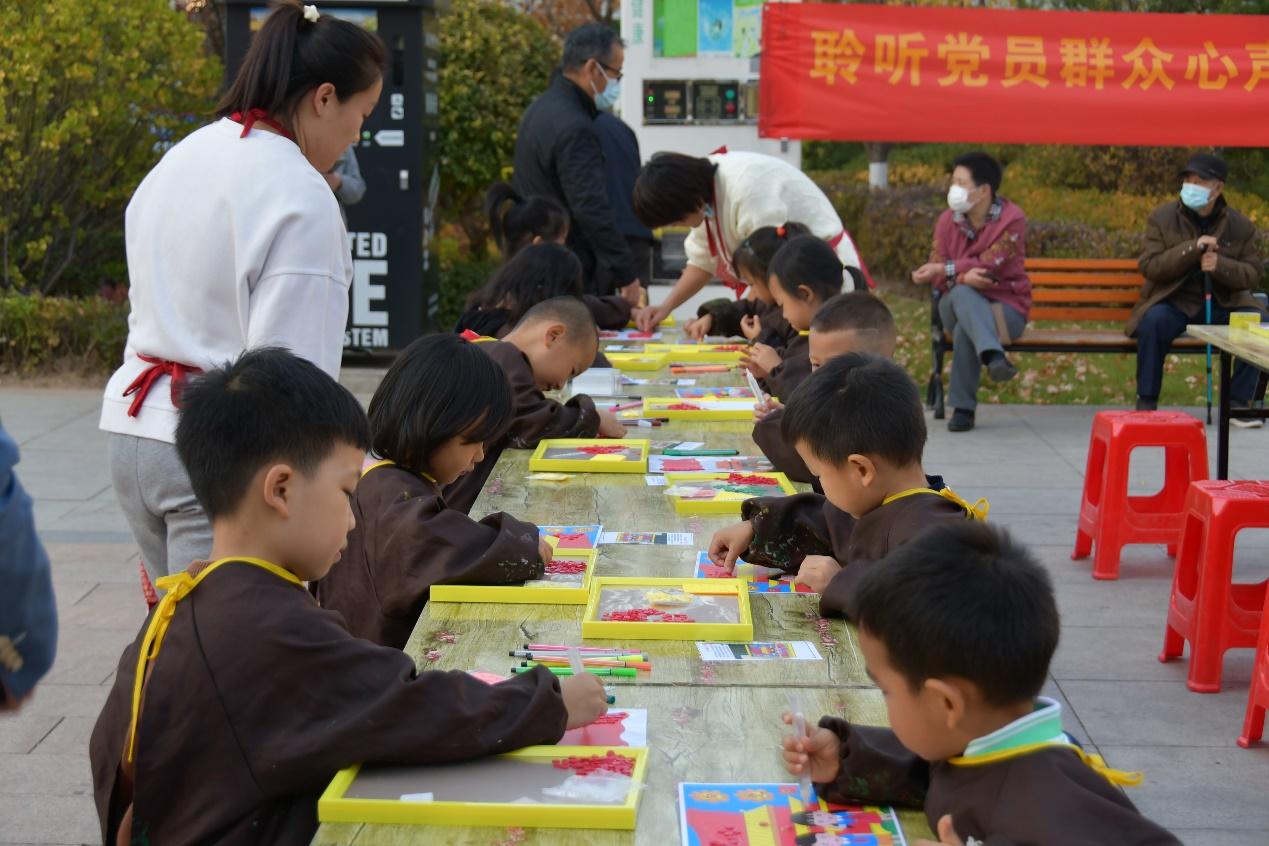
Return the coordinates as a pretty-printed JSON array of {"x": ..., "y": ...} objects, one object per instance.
[
  {"x": 1184, "y": 587},
  {"x": 1109, "y": 537},
  {"x": 1258, "y": 696},
  {"x": 1093, "y": 498},
  {"x": 1211, "y": 608}
]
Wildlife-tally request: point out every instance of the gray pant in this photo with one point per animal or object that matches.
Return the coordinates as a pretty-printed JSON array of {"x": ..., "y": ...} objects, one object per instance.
[
  {"x": 154, "y": 492},
  {"x": 967, "y": 317}
]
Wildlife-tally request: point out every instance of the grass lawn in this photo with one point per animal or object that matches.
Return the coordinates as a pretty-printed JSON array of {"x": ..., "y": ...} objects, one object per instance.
[{"x": 1047, "y": 378}]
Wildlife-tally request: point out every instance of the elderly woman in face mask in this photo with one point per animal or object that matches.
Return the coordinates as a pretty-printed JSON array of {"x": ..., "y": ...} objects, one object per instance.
[{"x": 977, "y": 266}]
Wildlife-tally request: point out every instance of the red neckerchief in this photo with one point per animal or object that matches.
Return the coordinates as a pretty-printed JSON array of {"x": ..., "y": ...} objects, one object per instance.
[
  {"x": 141, "y": 385},
  {"x": 254, "y": 116}
]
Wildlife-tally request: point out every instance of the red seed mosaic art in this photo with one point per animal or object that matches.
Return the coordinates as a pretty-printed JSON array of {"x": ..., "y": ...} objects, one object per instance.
[
  {"x": 749, "y": 479},
  {"x": 566, "y": 568},
  {"x": 683, "y": 406},
  {"x": 645, "y": 615},
  {"x": 589, "y": 764},
  {"x": 600, "y": 450}
]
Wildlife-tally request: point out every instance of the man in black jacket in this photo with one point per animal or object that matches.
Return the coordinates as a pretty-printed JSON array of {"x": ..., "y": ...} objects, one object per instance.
[{"x": 558, "y": 154}]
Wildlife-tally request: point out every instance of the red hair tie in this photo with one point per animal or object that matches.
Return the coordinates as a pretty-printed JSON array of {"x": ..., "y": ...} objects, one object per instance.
[{"x": 780, "y": 231}]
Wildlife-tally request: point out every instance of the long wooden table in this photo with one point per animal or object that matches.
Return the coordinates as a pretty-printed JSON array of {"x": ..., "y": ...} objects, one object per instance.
[
  {"x": 710, "y": 722},
  {"x": 1232, "y": 343}
]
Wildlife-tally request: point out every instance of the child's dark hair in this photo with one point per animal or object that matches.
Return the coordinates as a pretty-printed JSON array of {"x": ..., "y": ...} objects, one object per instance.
[
  {"x": 983, "y": 169},
  {"x": 573, "y": 313},
  {"x": 672, "y": 186},
  {"x": 439, "y": 387},
  {"x": 515, "y": 221},
  {"x": 267, "y": 406},
  {"x": 857, "y": 404},
  {"x": 753, "y": 257},
  {"x": 807, "y": 260},
  {"x": 536, "y": 273},
  {"x": 963, "y": 600},
  {"x": 857, "y": 310},
  {"x": 291, "y": 56}
]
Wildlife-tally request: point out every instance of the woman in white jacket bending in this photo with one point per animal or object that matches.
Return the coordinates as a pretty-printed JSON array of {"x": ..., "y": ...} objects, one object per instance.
[{"x": 723, "y": 198}]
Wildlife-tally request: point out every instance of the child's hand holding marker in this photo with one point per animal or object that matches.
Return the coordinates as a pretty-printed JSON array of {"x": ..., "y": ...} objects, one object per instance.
[
  {"x": 584, "y": 698},
  {"x": 815, "y": 752}
]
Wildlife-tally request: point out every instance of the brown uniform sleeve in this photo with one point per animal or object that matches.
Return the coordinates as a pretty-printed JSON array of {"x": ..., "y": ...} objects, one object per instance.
[
  {"x": 838, "y": 599},
  {"x": 421, "y": 543},
  {"x": 610, "y": 312},
  {"x": 536, "y": 417},
  {"x": 793, "y": 371},
  {"x": 787, "y": 529},
  {"x": 1238, "y": 265},
  {"x": 727, "y": 315},
  {"x": 875, "y": 768},
  {"x": 784, "y": 458}
]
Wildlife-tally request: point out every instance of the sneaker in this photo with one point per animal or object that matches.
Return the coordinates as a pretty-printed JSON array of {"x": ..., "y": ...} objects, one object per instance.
[
  {"x": 1245, "y": 424},
  {"x": 1144, "y": 404},
  {"x": 962, "y": 420},
  {"x": 1001, "y": 369}
]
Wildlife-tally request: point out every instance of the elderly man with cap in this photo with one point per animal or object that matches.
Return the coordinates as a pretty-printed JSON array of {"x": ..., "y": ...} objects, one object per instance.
[{"x": 1189, "y": 241}]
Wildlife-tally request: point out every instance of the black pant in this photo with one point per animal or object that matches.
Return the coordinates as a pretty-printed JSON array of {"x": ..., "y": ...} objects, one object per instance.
[
  {"x": 1160, "y": 326},
  {"x": 641, "y": 254}
]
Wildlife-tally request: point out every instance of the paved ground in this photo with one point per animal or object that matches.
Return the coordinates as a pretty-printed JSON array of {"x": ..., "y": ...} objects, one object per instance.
[{"x": 1029, "y": 461}]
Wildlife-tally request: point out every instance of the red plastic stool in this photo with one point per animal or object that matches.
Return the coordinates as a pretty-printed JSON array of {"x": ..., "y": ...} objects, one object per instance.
[
  {"x": 1258, "y": 698},
  {"x": 1207, "y": 608},
  {"x": 1109, "y": 517}
]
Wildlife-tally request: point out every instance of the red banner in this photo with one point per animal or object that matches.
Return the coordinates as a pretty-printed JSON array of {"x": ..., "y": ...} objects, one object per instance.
[{"x": 893, "y": 73}]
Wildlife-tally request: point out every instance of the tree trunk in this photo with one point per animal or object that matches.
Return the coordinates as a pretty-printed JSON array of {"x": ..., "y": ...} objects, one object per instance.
[{"x": 878, "y": 168}]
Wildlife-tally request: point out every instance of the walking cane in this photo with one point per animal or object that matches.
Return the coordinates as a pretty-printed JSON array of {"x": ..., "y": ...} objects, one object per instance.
[{"x": 1207, "y": 307}]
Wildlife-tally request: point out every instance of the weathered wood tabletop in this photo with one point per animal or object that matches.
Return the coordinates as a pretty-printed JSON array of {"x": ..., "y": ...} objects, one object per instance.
[{"x": 708, "y": 722}]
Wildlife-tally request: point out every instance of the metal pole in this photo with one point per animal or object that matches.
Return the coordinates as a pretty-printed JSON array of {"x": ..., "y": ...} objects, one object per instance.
[{"x": 1207, "y": 307}]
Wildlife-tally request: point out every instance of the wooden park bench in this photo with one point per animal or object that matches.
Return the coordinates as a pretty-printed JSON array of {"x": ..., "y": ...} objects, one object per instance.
[{"x": 1091, "y": 292}]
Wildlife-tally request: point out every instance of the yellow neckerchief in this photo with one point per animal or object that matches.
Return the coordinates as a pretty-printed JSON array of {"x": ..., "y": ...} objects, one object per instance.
[
  {"x": 976, "y": 511},
  {"x": 389, "y": 462},
  {"x": 1095, "y": 762},
  {"x": 178, "y": 587}
]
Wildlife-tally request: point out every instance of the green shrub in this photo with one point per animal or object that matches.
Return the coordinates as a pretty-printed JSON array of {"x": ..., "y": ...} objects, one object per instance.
[
  {"x": 459, "y": 277},
  {"x": 89, "y": 93},
  {"x": 41, "y": 334},
  {"x": 494, "y": 61}
]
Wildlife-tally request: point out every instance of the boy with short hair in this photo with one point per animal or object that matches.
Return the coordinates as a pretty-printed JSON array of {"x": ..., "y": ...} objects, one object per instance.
[
  {"x": 856, "y": 321},
  {"x": 555, "y": 341},
  {"x": 858, "y": 424},
  {"x": 957, "y": 629},
  {"x": 240, "y": 699}
]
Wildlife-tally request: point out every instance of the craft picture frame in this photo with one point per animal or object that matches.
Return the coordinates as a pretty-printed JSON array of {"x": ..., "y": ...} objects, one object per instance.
[
  {"x": 739, "y": 629},
  {"x": 676, "y": 408},
  {"x": 636, "y": 362},
  {"x": 701, "y": 353},
  {"x": 633, "y": 457},
  {"x": 534, "y": 592},
  {"x": 725, "y": 502},
  {"x": 336, "y": 806}
]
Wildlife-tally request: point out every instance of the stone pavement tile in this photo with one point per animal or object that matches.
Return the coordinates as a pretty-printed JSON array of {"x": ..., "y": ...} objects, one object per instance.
[
  {"x": 1163, "y": 714},
  {"x": 70, "y": 737},
  {"x": 94, "y": 562},
  {"x": 1096, "y": 653},
  {"x": 88, "y": 657},
  {"x": 1195, "y": 788},
  {"x": 1054, "y": 502},
  {"x": 108, "y": 606},
  {"x": 79, "y": 434},
  {"x": 964, "y": 474},
  {"x": 50, "y": 819},
  {"x": 94, "y": 515},
  {"x": 1219, "y": 837},
  {"x": 64, "y": 474},
  {"x": 67, "y": 700},
  {"x": 22, "y": 732},
  {"x": 1035, "y": 529},
  {"x": 30, "y": 413},
  {"x": 68, "y": 590},
  {"x": 49, "y": 511},
  {"x": 46, "y": 775}
]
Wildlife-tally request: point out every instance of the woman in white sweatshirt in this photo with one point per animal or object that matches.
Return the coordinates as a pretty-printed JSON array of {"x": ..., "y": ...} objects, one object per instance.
[
  {"x": 724, "y": 198},
  {"x": 234, "y": 241}
]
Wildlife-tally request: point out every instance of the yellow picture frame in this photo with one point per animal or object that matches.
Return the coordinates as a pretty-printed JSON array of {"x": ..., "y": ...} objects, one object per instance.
[
  {"x": 741, "y": 631},
  {"x": 641, "y": 361},
  {"x": 728, "y": 505},
  {"x": 527, "y": 593},
  {"x": 700, "y": 353},
  {"x": 335, "y": 807},
  {"x": 668, "y": 321},
  {"x": 737, "y": 409},
  {"x": 538, "y": 462}
]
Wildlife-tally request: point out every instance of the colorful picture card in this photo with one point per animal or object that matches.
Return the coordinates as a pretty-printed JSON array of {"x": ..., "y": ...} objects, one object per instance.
[
  {"x": 708, "y": 464},
  {"x": 590, "y": 455},
  {"x": 783, "y": 650},
  {"x": 730, "y": 392},
  {"x": 628, "y": 335},
  {"x": 675, "y": 408},
  {"x": 774, "y": 815},
  {"x": 648, "y": 538},
  {"x": 722, "y": 493},
  {"x": 760, "y": 579},
  {"x": 646, "y": 608},
  {"x": 573, "y": 537}
]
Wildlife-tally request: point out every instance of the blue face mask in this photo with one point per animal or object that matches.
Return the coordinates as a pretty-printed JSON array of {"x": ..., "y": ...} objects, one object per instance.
[
  {"x": 1195, "y": 196},
  {"x": 607, "y": 98}
]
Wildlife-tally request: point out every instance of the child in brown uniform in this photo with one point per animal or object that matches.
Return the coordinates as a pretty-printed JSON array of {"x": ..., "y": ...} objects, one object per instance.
[
  {"x": 858, "y": 424},
  {"x": 856, "y": 321},
  {"x": 957, "y": 629},
  {"x": 436, "y": 408},
  {"x": 554, "y": 341},
  {"x": 240, "y": 699}
]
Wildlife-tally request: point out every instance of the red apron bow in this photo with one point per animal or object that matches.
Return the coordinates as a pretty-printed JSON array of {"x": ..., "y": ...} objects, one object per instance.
[{"x": 141, "y": 385}]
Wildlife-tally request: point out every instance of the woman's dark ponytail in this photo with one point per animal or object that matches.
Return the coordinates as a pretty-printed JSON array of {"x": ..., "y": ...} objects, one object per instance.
[{"x": 291, "y": 56}]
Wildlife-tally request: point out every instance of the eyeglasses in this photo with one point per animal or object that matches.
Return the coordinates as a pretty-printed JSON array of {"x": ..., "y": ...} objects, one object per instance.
[{"x": 618, "y": 72}]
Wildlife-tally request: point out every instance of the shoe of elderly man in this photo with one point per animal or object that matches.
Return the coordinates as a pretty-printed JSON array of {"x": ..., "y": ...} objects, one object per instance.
[{"x": 1244, "y": 423}]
